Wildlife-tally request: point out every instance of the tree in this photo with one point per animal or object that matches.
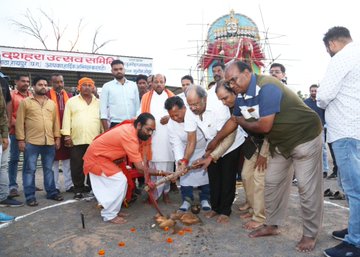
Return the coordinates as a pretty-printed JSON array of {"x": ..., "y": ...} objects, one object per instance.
[{"x": 35, "y": 28}]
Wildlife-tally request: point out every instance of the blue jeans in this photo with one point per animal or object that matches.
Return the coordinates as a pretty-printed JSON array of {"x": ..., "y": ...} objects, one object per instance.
[
  {"x": 347, "y": 154},
  {"x": 187, "y": 192},
  {"x": 4, "y": 179},
  {"x": 13, "y": 162},
  {"x": 47, "y": 153}
]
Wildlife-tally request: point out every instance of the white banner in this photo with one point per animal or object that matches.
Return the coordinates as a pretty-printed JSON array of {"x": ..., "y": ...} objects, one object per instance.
[{"x": 70, "y": 61}]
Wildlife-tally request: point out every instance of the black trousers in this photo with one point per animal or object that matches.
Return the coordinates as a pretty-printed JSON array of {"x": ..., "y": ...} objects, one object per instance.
[
  {"x": 222, "y": 180},
  {"x": 76, "y": 165}
]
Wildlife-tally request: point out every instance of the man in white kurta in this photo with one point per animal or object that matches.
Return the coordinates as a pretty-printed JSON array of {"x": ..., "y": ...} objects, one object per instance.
[
  {"x": 162, "y": 156},
  {"x": 178, "y": 140}
]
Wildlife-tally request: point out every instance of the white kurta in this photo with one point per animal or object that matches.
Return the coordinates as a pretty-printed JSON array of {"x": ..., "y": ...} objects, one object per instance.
[
  {"x": 178, "y": 140},
  {"x": 161, "y": 149},
  {"x": 162, "y": 156}
]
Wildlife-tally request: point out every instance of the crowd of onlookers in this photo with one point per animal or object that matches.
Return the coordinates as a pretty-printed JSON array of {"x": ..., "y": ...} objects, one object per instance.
[{"x": 245, "y": 121}]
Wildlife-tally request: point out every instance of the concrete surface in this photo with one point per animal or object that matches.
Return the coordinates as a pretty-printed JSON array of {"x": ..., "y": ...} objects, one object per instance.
[{"x": 55, "y": 229}]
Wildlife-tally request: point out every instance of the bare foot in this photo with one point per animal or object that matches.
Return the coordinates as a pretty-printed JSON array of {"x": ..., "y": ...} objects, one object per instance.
[
  {"x": 166, "y": 198},
  {"x": 223, "y": 219},
  {"x": 252, "y": 224},
  {"x": 122, "y": 214},
  {"x": 265, "y": 230},
  {"x": 244, "y": 207},
  {"x": 245, "y": 216},
  {"x": 306, "y": 244},
  {"x": 118, "y": 220},
  {"x": 211, "y": 214}
]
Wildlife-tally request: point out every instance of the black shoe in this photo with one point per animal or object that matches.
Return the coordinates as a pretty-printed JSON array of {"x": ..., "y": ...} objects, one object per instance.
[
  {"x": 86, "y": 189},
  {"x": 340, "y": 234},
  {"x": 324, "y": 174},
  {"x": 9, "y": 202},
  {"x": 78, "y": 196},
  {"x": 328, "y": 192},
  {"x": 14, "y": 193},
  {"x": 70, "y": 190},
  {"x": 332, "y": 175},
  {"x": 343, "y": 249}
]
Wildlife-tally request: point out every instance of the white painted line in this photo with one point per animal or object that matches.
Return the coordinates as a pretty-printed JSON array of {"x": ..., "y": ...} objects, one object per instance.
[
  {"x": 42, "y": 209},
  {"x": 328, "y": 202}
]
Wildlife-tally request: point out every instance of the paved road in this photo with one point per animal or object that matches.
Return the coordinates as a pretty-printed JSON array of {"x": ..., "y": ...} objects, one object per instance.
[{"x": 55, "y": 229}]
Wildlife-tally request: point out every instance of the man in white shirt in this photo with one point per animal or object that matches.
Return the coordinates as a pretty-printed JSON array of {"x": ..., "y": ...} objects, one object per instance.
[
  {"x": 178, "y": 139},
  {"x": 339, "y": 95},
  {"x": 119, "y": 99},
  {"x": 209, "y": 117},
  {"x": 186, "y": 82}
]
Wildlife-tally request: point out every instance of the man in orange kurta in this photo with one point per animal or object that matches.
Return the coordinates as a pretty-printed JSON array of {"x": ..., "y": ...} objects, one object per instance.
[{"x": 102, "y": 159}]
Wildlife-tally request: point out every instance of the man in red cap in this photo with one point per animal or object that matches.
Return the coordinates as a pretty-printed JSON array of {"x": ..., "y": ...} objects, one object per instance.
[{"x": 81, "y": 124}]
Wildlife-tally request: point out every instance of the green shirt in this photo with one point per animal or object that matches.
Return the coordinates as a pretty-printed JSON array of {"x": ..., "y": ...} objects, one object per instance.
[{"x": 295, "y": 124}]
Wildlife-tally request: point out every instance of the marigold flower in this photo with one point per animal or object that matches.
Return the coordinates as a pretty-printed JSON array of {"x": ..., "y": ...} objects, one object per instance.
[
  {"x": 169, "y": 240},
  {"x": 101, "y": 252},
  {"x": 121, "y": 244}
]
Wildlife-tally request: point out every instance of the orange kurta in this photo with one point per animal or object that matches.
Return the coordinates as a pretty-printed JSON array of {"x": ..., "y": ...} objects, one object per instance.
[{"x": 116, "y": 143}]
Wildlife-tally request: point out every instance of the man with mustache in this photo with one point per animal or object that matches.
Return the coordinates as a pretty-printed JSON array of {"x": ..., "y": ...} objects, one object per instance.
[{"x": 38, "y": 133}]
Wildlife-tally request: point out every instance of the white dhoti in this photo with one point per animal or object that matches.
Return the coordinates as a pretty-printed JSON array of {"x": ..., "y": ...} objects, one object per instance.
[
  {"x": 163, "y": 188},
  {"x": 110, "y": 193}
]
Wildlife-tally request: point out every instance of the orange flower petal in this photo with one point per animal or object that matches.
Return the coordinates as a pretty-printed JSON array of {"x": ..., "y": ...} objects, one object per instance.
[
  {"x": 189, "y": 230},
  {"x": 101, "y": 252},
  {"x": 133, "y": 229},
  {"x": 166, "y": 228},
  {"x": 169, "y": 240},
  {"x": 181, "y": 232},
  {"x": 121, "y": 244}
]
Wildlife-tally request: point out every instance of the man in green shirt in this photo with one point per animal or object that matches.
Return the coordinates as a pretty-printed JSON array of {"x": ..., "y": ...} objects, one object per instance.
[{"x": 265, "y": 106}]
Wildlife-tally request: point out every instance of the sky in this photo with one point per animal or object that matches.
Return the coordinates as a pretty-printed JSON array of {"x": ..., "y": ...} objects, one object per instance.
[{"x": 171, "y": 31}]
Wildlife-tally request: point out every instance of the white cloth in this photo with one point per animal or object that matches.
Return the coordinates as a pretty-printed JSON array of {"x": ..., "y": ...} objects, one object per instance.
[
  {"x": 65, "y": 167},
  {"x": 160, "y": 145},
  {"x": 110, "y": 193},
  {"x": 163, "y": 188},
  {"x": 178, "y": 141},
  {"x": 213, "y": 119},
  {"x": 339, "y": 94},
  {"x": 183, "y": 97}
]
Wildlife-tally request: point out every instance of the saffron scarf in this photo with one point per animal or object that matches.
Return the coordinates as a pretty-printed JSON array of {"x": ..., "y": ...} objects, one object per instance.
[
  {"x": 54, "y": 98},
  {"x": 145, "y": 107}
]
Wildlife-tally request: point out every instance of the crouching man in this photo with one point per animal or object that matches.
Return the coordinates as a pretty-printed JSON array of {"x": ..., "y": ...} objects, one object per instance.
[{"x": 102, "y": 161}]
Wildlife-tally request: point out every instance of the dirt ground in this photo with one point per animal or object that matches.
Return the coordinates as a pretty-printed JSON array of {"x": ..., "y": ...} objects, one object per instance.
[{"x": 55, "y": 229}]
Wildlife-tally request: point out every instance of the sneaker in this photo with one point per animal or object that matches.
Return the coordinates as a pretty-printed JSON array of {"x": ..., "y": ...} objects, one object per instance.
[
  {"x": 332, "y": 175},
  {"x": 5, "y": 218},
  {"x": 78, "y": 196},
  {"x": 185, "y": 206},
  {"x": 9, "y": 202},
  {"x": 340, "y": 234},
  {"x": 14, "y": 193},
  {"x": 205, "y": 206},
  {"x": 324, "y": 174},
  {"x": 343, "y": 249}
]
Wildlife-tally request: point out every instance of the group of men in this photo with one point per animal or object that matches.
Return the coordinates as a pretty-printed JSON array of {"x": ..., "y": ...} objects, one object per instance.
[{"x": 203, "y": 133}]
